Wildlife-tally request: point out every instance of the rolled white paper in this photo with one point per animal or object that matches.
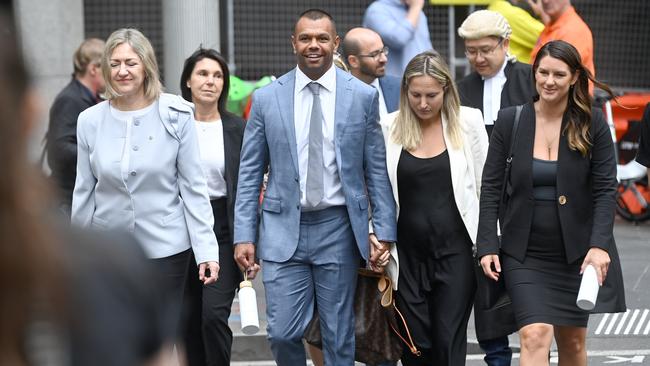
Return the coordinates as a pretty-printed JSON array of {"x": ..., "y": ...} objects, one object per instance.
[
  {"x": 589, "y": 287},
  {"x": 250, "y": 323}
]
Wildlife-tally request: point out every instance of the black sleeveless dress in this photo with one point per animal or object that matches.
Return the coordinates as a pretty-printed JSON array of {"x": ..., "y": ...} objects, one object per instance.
[
  {"x": 544, "y": 287},
  {"x": 436, "y": 279}
]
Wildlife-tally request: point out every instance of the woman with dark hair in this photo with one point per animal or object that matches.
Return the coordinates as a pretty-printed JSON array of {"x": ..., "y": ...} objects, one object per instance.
[
  {"x": 559, "y": 214},
  {"x": 205, "y": 82}
]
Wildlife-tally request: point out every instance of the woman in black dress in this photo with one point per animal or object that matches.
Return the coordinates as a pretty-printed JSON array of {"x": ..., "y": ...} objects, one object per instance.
[
  {"x": 559, "y": 215},
  {"x": 435, "y": 150}
]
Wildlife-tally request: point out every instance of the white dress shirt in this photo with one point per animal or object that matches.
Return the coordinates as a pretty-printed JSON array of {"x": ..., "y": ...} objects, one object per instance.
[
  {"x": 303, "y": 100},
  {"x": 382, "y": 102},
  {"x": 213, "y": 162},
  {"x": 492, "y": 88}
]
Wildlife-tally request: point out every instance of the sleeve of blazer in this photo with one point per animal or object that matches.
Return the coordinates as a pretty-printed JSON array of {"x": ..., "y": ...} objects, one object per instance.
[
  {"x": 253, "y": 162},
  {"x": 194, "y": 190},
  {"x": 62, "y": 134},
  {"x": 83, "y": 196},
  {"x": 487, "y": 241},
  {"x": 379, "y": 188},
  {"x": 603, "y": 177}
]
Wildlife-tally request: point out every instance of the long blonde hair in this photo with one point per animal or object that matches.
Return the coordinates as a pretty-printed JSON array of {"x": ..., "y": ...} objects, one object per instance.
[{"x": 406, "y": 130}]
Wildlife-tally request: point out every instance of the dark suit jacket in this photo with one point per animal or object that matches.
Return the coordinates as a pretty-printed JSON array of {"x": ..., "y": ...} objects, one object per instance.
[
  {"x": 61, "y": 140},
  {"x": 586, "y": 190},
  {"x": 390, "y": 89},
  {"x": 233, "y": 134},
  {"x": 518, "y": 89}
]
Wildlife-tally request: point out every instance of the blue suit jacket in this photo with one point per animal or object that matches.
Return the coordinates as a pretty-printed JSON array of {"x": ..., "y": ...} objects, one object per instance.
[
  {"x": 390, "y": 88},
  {"x": 269, "y": 140}
]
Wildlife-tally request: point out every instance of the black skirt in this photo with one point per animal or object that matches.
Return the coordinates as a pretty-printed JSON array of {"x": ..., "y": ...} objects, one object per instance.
[{"x": 543, "y": 287}]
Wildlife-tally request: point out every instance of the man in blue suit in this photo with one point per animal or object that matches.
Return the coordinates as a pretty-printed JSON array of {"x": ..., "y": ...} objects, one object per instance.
[
  {"x": 316, "y": 130},
  {"x": 367, "y": 56}
]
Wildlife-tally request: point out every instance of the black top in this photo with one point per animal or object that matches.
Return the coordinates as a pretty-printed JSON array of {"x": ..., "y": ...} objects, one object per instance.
[
  {"x": 544, "y": 176},
  {"x": 429, "y": 221},
  {"x": 643, "y": 154}
]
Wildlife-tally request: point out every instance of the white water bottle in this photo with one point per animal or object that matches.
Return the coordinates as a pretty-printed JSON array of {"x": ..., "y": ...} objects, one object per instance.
[
  {"x": 250, "y": 323},
  {"x": 589, "y": 287}
]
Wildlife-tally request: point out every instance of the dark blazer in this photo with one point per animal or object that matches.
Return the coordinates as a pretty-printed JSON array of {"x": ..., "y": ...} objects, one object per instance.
[
  {"x": 518, "y": 89},
  {"x": 586, "y": 190},
  {"x": 390, "y": 89},
  {"x": 233, "y": 134},
  {"x": 61, "y": 138}
]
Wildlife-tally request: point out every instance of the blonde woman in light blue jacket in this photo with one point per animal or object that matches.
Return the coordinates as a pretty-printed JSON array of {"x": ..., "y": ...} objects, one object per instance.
[{"x": 138, "y": 168}]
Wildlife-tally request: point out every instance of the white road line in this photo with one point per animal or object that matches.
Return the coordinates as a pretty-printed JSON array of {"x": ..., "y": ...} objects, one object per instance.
[
  {"x": 647, "y": 329},
  {"x": 638, "y": 327},
  {"x": 611, "y": 323},
  {"x": 631, "y": 323},
  {"x": 602, "y": 323},
  {"x": 622, "y": 322}
]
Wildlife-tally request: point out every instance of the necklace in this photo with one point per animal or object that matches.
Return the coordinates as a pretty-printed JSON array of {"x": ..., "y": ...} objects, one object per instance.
[{"x": 549, "y": 143}]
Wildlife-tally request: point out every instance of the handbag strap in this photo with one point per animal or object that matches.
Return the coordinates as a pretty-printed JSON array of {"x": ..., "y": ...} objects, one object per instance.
[
  {"x": 409, "y": 343},
  {"x": 513, "y": 141}
]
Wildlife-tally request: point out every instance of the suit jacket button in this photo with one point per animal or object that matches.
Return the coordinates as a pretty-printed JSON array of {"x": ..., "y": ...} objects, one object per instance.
[
  {"x": 297, "y": 207},
  {"x": 562, "y": 200},
  {"x": 135, "y": 148},
  {"x": 133, "y": 173}
]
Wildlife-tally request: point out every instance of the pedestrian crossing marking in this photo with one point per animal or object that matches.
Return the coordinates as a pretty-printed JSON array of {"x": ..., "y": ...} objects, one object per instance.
[{"x": 628, "y": 323}]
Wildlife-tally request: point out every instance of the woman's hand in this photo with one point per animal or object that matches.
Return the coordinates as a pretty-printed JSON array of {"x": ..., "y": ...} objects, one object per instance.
[
  {"x": 599, "y": 259},
  {"x": 491, "y": 266},
  {"x": 379, "y": 254},
  {"x": 208, "y": 278}
]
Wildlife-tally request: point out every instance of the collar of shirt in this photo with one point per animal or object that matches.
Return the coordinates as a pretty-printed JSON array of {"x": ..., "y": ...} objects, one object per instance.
[
  {"x": 327, "y": 81},
  {"x": 492, "y": 88}
]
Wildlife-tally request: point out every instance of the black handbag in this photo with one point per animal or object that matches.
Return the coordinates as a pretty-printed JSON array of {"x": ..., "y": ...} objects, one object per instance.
[
  {"x": 492, "y": 307},
  {"x": 375, "y": 325}
]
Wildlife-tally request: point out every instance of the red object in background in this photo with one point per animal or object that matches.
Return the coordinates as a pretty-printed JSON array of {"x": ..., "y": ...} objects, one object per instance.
[{"x": 631, "y": 108}]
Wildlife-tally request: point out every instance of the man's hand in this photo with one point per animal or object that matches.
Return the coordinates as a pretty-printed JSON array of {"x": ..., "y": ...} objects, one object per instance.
[
  {"x": 536, "y": 6},
  {"x": 212, "y": 277},
  {"x": 245, "y": 258},
  {"x": 379, "y": 253}
]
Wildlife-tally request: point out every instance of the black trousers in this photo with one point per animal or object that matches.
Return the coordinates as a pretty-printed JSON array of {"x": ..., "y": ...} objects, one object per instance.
[
  {"x": 207, "y": 336},
  {"x": 172, "y": 273}
]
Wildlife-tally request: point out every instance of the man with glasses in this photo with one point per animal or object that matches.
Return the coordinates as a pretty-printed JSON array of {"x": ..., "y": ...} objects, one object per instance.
[
  {"x": 498, "y": 81},
  {"x": 403, "y": 26},
  {"x": 366, "y": 55}
]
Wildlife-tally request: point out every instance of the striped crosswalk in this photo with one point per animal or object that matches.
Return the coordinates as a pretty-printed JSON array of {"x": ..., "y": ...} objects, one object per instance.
[{"x": 633, "y": 322}]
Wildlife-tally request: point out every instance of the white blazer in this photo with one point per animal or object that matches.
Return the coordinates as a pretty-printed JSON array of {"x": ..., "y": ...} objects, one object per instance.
[{"x": 466, "y": 165}]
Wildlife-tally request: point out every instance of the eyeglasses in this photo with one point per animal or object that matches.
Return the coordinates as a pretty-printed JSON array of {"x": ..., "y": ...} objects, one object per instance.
[
  {"x": 375, "y": 54},
  {"x": 483, "y": 51}
]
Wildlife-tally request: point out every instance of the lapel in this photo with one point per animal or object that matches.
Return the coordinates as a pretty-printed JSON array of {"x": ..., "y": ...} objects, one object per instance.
[
  {"x": 505, "y": 96},
  {"x": 393, "y": 152},
  {"x": 342, "y": 109},
  {"x": 230, "y": 149},
  {"x": 284, "y": 96},
  {"x": 457, "y": 161},
  {"x": 523, "y": 151}
]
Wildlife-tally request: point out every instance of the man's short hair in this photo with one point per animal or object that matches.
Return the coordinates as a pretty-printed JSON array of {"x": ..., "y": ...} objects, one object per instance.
[
  {"x": 485, "y": 23},
  {"x": 89, "y": 52},
  {"x": 316, "y": 14}
]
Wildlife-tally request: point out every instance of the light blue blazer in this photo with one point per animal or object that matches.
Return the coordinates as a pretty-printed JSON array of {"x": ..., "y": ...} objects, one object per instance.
[
  {"x": 270, "y": 140},
  {"x": 164, "y": 199}
]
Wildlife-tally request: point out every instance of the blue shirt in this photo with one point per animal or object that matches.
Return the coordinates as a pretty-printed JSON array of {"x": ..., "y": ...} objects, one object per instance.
[{"x": 388, "y": 18}]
